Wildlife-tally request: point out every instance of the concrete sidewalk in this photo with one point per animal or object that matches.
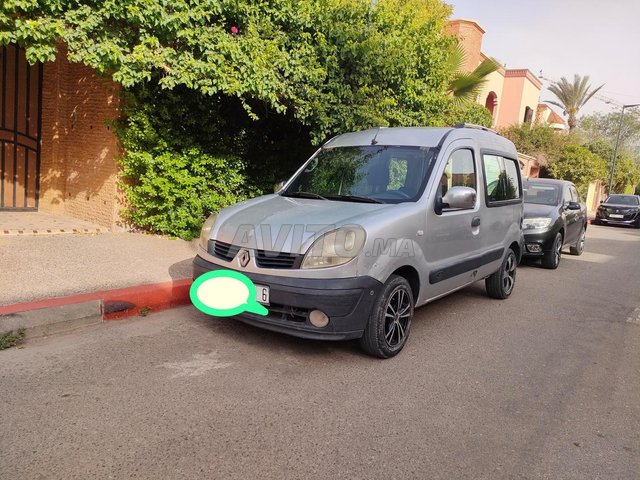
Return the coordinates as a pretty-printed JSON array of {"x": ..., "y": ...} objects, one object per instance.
[
  {"x": 54, "y": 283},
  {"x": 41, "y": 267}
]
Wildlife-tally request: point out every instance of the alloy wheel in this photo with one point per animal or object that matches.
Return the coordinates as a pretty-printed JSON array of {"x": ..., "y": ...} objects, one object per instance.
[
  {"x": 557, "y": 251},
  {"x": 397, "y": 317},
  {"x": 509, "y": 277}
]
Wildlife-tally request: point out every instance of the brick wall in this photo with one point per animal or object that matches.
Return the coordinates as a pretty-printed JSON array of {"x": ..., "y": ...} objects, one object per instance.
[
  {"x": 78, "y": 166},
  {"x": 470, "y": 35},
  {"x": 52, "y": 170}
]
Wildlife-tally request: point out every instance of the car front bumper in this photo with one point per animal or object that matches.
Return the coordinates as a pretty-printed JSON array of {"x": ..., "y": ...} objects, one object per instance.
[
  {"x": 538, "y": 244},
  {"x": 346, "y": 301},
  {"x": 628, "y": 220}
]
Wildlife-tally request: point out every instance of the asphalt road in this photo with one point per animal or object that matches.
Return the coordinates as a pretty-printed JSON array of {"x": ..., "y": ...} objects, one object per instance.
[{"x": 543, "y": 385}]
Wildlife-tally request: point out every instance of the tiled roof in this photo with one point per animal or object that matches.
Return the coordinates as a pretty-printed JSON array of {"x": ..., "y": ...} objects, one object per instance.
[{"x": 555, "y": 118}]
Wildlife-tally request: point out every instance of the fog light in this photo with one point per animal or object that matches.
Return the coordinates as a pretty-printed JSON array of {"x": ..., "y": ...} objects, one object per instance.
[
  {"x": 318, "y": 319},
  {"x": 534, "y": 247}
]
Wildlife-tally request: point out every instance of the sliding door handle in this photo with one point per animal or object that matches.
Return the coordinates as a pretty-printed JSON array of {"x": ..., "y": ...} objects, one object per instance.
[{"x": 475, "y": 222}]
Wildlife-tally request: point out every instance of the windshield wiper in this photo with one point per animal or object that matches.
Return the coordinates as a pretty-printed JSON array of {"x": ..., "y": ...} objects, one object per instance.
[
  {"x": 303, "y": 195},
  {"x": 354, "y": 198}
]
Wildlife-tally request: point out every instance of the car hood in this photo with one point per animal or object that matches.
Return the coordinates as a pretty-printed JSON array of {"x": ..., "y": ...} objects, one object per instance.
[
  {"x": 285, "y": 224},
  {"x": 532, "y": 210},
  {"x": 618, "y": 205}
]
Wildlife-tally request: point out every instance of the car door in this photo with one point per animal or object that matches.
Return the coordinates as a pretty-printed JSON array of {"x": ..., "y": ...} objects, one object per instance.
[
  {"x": 570, "y": 216},
  {"x": 503, "y": 197},
  {"x": 504, "y": 208},
  {"x": 581, "y": 215},
  {"x": 452, "y": 243}
]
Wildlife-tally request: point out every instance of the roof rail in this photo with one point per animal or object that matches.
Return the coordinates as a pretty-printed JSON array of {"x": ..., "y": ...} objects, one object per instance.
[{"x": 477, "y": 127}]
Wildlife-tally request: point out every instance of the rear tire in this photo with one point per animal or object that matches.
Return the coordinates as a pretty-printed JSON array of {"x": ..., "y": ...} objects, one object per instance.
[
  {"x": 578, "y": 248},
  {"x": 388, "y": 328},
  {"x": 551, "y": 259},
  {"x": 500, "y": 284}
]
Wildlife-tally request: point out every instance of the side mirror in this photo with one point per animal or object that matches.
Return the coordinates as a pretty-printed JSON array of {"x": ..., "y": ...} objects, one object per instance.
[
  {"x": 573, "y": 206},
  {"x": 279, "y": 186},
  {"x": 459, "y": 197}
]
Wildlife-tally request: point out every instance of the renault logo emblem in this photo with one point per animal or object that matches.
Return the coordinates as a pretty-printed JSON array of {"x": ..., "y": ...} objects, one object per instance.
[{"x": 244, "y": 257}]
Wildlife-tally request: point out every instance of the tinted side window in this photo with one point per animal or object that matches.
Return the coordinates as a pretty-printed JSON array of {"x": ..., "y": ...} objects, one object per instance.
[
  {"x": 460, "y": 171},
  {"x": 511, "y": 169},
  {"x": 501, "y": 177},
  {"x": 492, "y": 171},
  {"x": 566, "y": 195}
]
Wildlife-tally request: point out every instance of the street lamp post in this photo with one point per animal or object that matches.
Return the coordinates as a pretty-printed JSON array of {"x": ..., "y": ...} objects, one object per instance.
[{"x": 615, "y": 150}]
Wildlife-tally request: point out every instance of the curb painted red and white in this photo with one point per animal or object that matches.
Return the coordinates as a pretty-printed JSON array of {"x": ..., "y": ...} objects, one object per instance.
[{"x": 119, "y": 303}]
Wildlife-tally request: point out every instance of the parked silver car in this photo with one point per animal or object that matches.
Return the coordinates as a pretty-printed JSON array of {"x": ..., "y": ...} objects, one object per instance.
[{"x": 375, "y": 224}]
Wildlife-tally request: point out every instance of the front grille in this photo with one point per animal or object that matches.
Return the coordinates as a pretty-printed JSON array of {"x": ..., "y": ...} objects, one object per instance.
[
  {"x": 267, "y": 259},
  {"x": 223, "y": 250},
  {"x": 264, "y": 258}
]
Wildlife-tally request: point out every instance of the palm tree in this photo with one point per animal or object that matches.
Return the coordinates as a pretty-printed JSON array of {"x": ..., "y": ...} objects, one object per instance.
[
  {"x": 465, "y": 86},
  {"x": 572, "y": 96}
]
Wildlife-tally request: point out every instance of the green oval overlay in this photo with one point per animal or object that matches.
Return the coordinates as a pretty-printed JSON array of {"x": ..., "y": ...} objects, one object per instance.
[{"x": 224, "y": 293}]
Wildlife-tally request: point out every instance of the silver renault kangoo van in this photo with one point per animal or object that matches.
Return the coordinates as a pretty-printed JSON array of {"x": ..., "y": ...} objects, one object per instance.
[{"x": 373, "y": 225}]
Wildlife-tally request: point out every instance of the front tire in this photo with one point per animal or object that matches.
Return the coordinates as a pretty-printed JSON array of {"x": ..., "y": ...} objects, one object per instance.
[
  {"x": 578, "y": 248},
  {"x": 388, "y": 328},
  {"x": 551, "y": 259},
  {"x": 500, "y": 284}
]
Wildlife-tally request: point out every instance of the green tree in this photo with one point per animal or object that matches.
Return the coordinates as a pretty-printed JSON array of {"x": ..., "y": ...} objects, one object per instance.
[
  {"x": 465, "y": 86},
  {"x": 572, "y": 96},
  {"x": 537, "y": 140},
  {"x": 172, "y": 188},
  {"x": 605, "y": 126},
  {"x": 579, "y": 165},
  {"x": 237, "y": 86},
  {"x": 333, "y": 65},
  {"x": 467, "y": 112},
  {"x": 627, "y": 171}
]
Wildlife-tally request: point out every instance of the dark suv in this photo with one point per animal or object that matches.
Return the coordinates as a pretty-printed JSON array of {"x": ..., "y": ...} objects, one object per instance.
[
  {"x": 554, "y": 216},
  {"x": 619, "y": 210}
]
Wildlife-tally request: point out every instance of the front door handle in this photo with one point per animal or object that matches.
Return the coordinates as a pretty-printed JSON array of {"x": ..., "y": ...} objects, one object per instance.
[{"x": 475, "y": 222}]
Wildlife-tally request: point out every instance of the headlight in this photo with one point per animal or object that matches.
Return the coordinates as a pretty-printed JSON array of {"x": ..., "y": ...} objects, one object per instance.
[
  {"x": 335, "y": 248},
  {"x": 536, "y": 223},
  {"x": 206, "y": 231}
]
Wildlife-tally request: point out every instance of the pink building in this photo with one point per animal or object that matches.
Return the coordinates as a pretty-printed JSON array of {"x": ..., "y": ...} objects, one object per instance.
[{"x": 511, "y": 95}]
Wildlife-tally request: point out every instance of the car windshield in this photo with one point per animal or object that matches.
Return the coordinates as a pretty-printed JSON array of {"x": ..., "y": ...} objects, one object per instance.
[
  {"x": 622, "y": 200},
  {"x": 541, "y": 194},
  {"x": 371, "y": 174}
]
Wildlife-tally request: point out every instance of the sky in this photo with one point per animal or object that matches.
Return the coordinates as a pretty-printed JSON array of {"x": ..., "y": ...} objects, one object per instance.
[{"x": 564, "y": 37}]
